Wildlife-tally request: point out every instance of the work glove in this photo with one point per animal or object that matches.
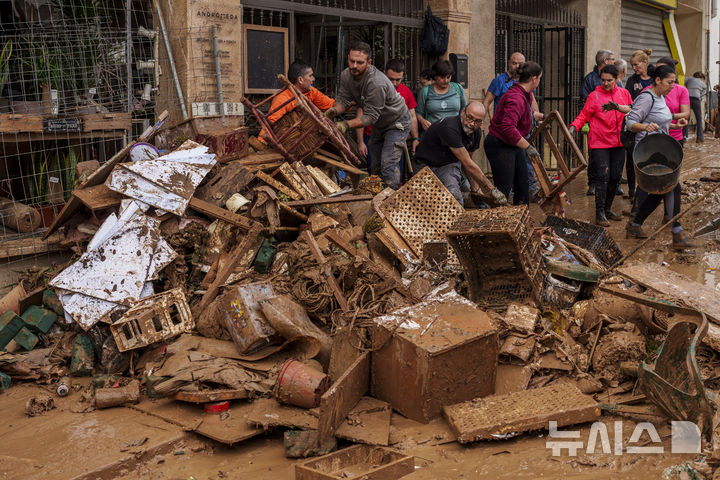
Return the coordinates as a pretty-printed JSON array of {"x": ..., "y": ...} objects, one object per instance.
[
  {"x": 331, "y": 113},
  {"x": 498, "y": 197},
  {"x": 610, "y": 106},
  {"x": 532, "y": 151},
  {"x": 572, "y": 130},
  {"x": 342, "y": 126}
]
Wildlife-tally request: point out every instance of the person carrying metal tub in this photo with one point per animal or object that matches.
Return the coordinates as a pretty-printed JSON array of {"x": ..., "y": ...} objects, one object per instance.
[
  {"x": 603, "y": 111},
  {"x": 650, "y": 116}
]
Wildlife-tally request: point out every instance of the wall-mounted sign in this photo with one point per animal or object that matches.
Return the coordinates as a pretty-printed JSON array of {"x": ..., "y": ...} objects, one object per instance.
[{"x": 62, "y": 125}]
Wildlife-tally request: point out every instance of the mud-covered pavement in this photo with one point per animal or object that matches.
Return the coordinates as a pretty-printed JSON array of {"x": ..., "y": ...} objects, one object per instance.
[{"x": 123, "y": 443}]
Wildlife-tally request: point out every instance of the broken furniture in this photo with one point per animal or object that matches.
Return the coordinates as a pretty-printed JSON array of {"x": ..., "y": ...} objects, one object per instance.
[
  {"x": 435, "y": 353},
  {"x": 153, "y": 319},
  {"x": 553, "y": 198},
  {"x": 500, "y": 255},
  {"x": 422, "y": 210},
  {"x": 359, "y": 461},
  {"x": 586, "y": 235},
  {"x": 674, "y": 383},
  {"x": 505, "y": 416},
  {"x": 301, "y": 132}
]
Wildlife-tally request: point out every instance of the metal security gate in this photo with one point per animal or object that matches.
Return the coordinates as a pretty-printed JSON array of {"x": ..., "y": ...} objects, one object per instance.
[
  {"x": 641, "y": 28},
  {"x": 320, "y": 31},
  {"x": 552, "y": 35}
]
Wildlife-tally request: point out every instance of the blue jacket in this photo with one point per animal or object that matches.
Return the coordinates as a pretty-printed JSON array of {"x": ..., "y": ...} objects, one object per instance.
[{"x": 590, "y": 83}]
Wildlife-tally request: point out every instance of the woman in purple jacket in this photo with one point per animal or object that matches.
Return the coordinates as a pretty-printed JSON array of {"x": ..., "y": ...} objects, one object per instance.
[{"x": 505, "y": 141}]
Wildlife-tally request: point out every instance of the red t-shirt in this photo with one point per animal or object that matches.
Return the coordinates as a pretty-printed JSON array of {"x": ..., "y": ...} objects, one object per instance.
[{"x": 407, "y": 95}]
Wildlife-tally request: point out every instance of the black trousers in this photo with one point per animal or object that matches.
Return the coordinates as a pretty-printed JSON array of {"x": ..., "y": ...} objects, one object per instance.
[
  {"x": 647, "y": 203},
  {"x": 630, "y": 168},
  {"x": 509, "y": 169},
  {"x": 696, "y": 107},
  {"x": 608, "y": 163}
]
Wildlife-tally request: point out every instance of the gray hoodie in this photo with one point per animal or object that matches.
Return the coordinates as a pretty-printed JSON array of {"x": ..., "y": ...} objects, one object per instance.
[{"x": 374, "y": 93}]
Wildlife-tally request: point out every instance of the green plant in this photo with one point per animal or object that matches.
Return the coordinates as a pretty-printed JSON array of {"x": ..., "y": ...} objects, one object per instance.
[
  {"x": 5, "y": 55},
  {"x": 67, "y": 161},
  {"x": 37, "y": 181}
]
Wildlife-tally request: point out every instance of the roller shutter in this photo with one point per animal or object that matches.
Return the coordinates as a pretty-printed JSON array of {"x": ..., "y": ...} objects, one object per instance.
[{"x": 642, "y": 27}]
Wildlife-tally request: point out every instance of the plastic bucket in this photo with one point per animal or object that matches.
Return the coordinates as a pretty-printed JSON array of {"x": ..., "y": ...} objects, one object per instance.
[
  {"x": 657, "y": 159},
  {"x": 300, "y": 385}
]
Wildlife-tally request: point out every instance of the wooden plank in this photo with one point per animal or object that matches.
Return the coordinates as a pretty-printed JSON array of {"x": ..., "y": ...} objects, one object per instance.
[
  {"x": 229, "y": 429},
  {"x": 48, "y": 136},
  {"x": 307, "y": 179},
  {"x": 677, "y": 287},
  {"x": 221, "y": 214},
  {"x": 558, "y": 156},
  {"x": 397, "y": 245},
  {"x": 368, "y": 422},
  {"x": 106, "y": 121},
  {"x": 277, "y": 185},
  {"x": 268, "y": 412},
  {"x": 20, "y": 123},
  {"x": 329, "y": 200},
  {"x": 249, "y": 244},
  {"x": 295, "y": 181},
  {"x": 293, "y": 212},
  {"x": 340, "y": 165},
  {"x": 343, "y": 396},
  {"x": 98, "y": 197},
  {"x": 324, "y": 182},
  {"x": 101, "y": 174},
  {"x": 31, "y": 246},
  {"x": 260, "y": 158},
  {"x": 309, "y": 239},
  {"x": 656, "y": 303},
  {"x": 377, "y": 269}
]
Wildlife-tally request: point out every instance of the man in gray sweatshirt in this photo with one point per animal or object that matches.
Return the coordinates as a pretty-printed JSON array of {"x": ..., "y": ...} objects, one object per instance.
[{"x": 383, "y": 108}]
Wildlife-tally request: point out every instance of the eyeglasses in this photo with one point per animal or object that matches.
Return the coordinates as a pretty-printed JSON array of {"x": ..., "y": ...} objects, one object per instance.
[{"x": 473, "y": 120}]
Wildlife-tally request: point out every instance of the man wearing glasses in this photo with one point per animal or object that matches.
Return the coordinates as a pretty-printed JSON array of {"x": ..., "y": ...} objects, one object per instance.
[{"x": 446, "y": 147}]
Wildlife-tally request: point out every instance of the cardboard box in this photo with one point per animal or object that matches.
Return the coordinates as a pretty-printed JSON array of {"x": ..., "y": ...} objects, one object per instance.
[{"x": 444, "y": 351}]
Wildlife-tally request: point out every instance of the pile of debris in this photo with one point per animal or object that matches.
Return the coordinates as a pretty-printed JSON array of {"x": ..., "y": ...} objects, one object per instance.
[{"x": 238, "y": 296}]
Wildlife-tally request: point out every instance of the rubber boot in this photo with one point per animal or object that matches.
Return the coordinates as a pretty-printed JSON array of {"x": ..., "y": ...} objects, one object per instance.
[
  {"x": 681, "y": 241},
  {"x": 634, "y": 231},
  {"x": 613, "y": 216},
  {"x": 601, "y": 219}
]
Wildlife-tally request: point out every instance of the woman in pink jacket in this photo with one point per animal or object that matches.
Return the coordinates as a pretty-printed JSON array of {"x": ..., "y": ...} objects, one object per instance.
[{"x": 606, "y": 148}]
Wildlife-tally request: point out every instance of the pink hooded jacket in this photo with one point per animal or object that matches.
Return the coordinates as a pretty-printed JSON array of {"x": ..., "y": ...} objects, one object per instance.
[{"x": 605, "y": 127}]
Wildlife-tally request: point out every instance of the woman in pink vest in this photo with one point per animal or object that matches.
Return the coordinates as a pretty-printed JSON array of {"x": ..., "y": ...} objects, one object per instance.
[{"x": 604, "y": 109}]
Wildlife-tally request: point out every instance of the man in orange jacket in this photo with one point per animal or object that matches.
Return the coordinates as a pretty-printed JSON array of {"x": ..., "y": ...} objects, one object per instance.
[{"x": 302, "y": 76}]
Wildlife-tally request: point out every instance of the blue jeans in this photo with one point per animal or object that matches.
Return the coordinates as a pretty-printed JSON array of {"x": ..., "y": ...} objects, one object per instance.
[
  {"x": 385, "y": 150},
  {"x": 451, "y": 176}
]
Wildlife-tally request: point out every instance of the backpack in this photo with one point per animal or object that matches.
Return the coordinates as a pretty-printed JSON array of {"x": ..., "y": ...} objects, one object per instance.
[
  {"x": 435, "y": 35},
  {"x": 458, "y": 89},
  {"x": 627, "y": 138}
]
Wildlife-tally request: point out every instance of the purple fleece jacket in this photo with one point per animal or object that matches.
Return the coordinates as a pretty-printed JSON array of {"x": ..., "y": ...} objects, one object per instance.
[{"x": 513, "y": 118}]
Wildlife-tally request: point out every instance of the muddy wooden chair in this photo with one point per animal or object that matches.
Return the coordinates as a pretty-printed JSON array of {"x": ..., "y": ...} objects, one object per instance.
[
  {"x": 552, "y": 199},
  {"x": 301, "y": 132}
]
